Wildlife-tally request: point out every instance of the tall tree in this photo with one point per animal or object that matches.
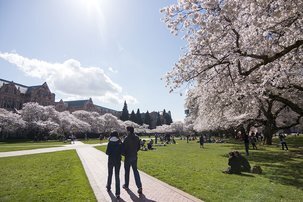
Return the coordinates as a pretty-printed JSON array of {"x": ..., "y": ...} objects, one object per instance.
[
  {"x": 139, "y": 118},
  {"x": 133, "y": 117},
  {"x": 125, "y": 114},
  {"x": 167, "y": 117},
  {"x": 245, "y": 58},
  {"x": 158, "y": 122},
  {"x": 147, "y": 119}
]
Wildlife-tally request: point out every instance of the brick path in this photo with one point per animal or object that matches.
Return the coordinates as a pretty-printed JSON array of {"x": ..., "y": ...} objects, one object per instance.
[{"x": 95, "y": 165}]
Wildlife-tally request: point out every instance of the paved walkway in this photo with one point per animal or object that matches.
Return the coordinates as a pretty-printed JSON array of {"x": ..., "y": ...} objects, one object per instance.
[
  {"x": 43, "y": 150},
  {"x": 95, "y": 165}
]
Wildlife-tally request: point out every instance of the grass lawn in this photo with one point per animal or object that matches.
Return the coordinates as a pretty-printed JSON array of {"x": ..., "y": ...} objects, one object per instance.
[
  {"x": 25, "y": 145},
  {"x": 57, "y": 176},
  {"x": 93, "y": 141},
  {"x": 199, "y": 171}
]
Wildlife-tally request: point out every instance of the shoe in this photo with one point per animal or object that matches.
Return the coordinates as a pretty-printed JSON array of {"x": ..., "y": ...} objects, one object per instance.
[
  {"x": 125, "y": 187},
  {"x": 107, "y": 188},
  {"x": 140, "y": 191}
]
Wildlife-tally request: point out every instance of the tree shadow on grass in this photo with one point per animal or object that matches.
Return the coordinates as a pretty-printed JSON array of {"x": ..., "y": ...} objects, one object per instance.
[
  {"x": 280, "y": 167},
  {"x": 283, "y": 167}
]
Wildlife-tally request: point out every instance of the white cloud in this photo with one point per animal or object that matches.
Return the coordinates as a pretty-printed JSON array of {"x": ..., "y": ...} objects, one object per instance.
[
  {"x": 113, "y": 70},
  {"x": 71, "y": 79}
]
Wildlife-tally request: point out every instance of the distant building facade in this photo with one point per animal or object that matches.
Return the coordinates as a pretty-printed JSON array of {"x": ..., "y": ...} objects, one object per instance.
[
  {"x": 14, "y": 95},
  {"x": 86, "y": 105}
]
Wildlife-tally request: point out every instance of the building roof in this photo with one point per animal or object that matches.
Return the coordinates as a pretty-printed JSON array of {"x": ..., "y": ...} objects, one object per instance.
[
  {"x": 104, "y": 108},
  {"x": 23, "y": 89},
  {"x": 76, "y": 103}
]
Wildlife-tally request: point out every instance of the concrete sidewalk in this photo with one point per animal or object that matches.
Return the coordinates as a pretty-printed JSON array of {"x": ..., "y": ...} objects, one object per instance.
[
  {"x": 77, "y": 144},
  {"x": 95, "y": 165}
]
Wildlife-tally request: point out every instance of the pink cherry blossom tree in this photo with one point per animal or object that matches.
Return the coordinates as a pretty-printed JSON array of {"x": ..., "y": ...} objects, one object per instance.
[{"x": 244, "y": 61}]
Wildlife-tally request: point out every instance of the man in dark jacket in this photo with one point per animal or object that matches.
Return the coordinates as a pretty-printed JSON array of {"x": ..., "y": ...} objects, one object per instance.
[
  {"x": 245, "y": 166},
  {"x": 234, "y": 164},
  {"x": 246, "y": 143},
  {"x": 114, "y": 160},
  {"x": 131, "y": 146}
]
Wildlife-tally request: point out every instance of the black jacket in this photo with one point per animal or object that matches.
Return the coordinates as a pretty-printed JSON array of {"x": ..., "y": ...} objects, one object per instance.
[
  {"x": 235, "y": 166},
  {"x": 114, "y": 150},
  {"x": 131, "y": 146}
]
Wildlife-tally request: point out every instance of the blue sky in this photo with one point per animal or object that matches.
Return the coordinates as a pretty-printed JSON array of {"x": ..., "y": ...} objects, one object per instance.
[{"x": 110, "y": 50}]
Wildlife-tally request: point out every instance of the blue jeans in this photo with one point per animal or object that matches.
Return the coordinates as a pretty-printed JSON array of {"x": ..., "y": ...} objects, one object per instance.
[
  {"x": 133, "y": 163},
  {"x": 117, "y": 166}
]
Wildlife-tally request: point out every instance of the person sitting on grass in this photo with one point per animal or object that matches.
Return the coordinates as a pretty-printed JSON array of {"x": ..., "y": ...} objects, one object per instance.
[
  {"x": 234, "y": 165},
  {"x": 173, "y": 139},
  {"x": 142, "y": 145},
  {"x": 245, "y": 166},
  {"x": 150, "y": 145}
]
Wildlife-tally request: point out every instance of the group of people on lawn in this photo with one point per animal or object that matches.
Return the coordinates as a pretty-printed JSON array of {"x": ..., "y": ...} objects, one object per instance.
[
  {"x": 129, "y": 149},
  {"x": 237, "y": 163}
]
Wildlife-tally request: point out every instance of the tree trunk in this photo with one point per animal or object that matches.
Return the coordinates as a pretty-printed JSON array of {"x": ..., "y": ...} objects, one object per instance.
[{"x": 268, "y": 133}]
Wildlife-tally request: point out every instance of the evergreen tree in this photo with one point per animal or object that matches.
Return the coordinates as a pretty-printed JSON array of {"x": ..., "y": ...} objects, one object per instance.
[
  {"x": 125, "y": 114},
  {"x": 163, "y": 115},
  {"x": 167, "y": 117},
  {"x": 158, "y": 123},
  {"x": 147, "y": 119},
  {"x": 139, "y": 118},
  {"x": 133, "y": 117}
]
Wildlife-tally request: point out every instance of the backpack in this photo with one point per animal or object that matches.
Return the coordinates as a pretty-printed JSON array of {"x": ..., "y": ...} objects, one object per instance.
[{"x": 256, "y": 170}]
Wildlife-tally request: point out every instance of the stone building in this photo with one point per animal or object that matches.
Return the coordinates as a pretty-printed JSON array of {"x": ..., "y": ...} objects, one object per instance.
[
  {"x": 86, "y": 105},
  {"x": 14, "y": 95}
]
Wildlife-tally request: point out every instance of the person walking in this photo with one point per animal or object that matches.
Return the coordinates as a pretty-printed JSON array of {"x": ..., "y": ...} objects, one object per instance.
[
  {"x": 253, "y": 140},
  {"x": 246, "y": 143},
  {"x": 131, "y": 146},
  {"x": 72, "y": 139},
  {"x": 282, "y": 141},
  {"x": 187, "y": 138},
  {"x": 114, "y": 161},
  {"x": 201, "y": 140}
]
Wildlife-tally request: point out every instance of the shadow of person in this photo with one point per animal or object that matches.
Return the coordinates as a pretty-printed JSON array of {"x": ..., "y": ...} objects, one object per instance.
[
  {"x": 135, "y": 198},
  {"x": 143, "y": 198},
  {"x": 113, "y": 198}
]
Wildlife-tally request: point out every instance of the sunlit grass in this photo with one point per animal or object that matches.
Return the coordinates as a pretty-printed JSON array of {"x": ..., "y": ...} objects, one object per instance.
[
  {"x": 93, "y": 141},
  {"x": 199, "y": 171},
  {"x": 57, "y": 176},
  {"x": 26, "y": 145}
]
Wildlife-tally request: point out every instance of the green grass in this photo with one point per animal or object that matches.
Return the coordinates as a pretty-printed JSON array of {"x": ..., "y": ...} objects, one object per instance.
[
  {"x": 93, "y": 141},
  {"x": 26, "y": 145},
  {"x": 199, "y": 171},
  {"x": 57, "y": 176}
]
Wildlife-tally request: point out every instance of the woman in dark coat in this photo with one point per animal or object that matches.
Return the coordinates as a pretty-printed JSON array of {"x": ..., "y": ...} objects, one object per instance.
[{"x": 114, "y": 161}]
